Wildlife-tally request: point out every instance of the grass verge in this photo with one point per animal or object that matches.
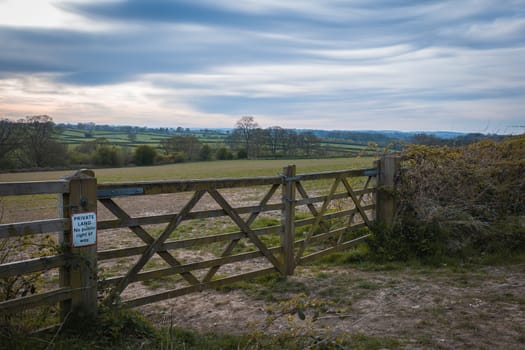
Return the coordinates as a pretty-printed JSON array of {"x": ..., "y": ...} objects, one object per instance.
[{"x": 116, "y": 328}]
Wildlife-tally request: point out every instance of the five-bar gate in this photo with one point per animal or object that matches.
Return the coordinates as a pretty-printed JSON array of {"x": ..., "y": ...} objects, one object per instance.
[{"x": 197, "y": 234}]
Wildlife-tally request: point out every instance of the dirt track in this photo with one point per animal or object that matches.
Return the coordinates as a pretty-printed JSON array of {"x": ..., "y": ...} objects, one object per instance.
[{"x": 423, "y": 309}]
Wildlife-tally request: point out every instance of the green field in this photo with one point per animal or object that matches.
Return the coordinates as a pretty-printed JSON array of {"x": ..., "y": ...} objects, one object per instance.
[
  {"x": 75, "y": 137},
  {"x": 78, "y": 136},
  {"x": 202, "y": 170}
]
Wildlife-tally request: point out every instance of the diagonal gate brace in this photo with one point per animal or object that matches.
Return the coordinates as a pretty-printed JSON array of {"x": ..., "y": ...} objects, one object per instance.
[
  {"x": 145, "y": 237},
  {"x": 246, "y": 229},
  {"x": 153, "y": 247},
  {"x": 234, "y": 242}
]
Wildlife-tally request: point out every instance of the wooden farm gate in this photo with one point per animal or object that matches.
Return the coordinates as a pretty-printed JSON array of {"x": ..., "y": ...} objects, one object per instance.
[{"x": 268, "y": 225}]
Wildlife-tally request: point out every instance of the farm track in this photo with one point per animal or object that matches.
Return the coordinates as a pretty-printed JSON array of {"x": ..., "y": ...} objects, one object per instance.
[{"x": 435, "y": 309}]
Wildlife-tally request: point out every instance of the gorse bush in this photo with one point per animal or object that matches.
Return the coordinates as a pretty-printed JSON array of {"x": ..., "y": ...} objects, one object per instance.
[{"x": 459, "y": 201}]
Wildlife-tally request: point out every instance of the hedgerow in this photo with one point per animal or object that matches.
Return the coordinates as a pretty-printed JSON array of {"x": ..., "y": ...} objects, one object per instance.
[{"x": 457, "y": 202}]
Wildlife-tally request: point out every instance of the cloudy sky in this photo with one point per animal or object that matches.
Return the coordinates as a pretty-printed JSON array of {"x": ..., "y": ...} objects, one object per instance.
[{"x": 321, "y": 64}]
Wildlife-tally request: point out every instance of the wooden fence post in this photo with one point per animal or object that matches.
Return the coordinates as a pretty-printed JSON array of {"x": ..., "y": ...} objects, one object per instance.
[
  {"x": 80, "y": 274},
  {"x": 387, "y": 167},
  {"x": 288, "y": 220}
]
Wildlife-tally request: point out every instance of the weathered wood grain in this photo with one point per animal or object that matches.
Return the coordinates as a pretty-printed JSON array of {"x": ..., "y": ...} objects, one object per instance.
[
  {"x": 20, "y": 229},
  {"x": 143, "y": 276},
  {"x": 33, "y": 187},
  {"x": 47, "y": 298},
  {"x": 32, "y": 265}
]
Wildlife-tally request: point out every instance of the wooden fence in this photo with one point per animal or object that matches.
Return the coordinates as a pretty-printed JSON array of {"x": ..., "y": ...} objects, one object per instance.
[{"x": 313, "y": 215}]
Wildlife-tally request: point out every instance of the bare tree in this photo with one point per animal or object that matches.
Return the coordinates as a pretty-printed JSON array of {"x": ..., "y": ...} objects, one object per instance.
[
  {"x": 245, "y": 129},
  {"x": 187, "y": 146},
  {"x": 290, "y": 142},
  {"x": 275, "y": 138},
  {"x": 310, "y": 143},
  {"x": 258, "y": 142}
]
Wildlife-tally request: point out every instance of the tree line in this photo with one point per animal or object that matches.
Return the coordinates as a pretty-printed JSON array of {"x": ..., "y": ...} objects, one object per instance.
[
  {"x": 35, "y": 142},
  {"x": 30, "y": 143},
  {"x": 251, "y": 141}
]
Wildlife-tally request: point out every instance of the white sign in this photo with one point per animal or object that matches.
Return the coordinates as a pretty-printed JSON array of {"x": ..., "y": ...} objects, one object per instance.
[{"x": 84, "y": 229}]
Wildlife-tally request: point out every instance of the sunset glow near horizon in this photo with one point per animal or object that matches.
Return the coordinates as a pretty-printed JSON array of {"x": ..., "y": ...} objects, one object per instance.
[{"x": 312, "y": 64}]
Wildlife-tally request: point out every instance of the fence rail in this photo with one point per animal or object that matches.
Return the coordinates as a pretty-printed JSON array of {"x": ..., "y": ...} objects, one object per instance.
[
  {"x": 33, "y": 227},
  {"x": 33, "y": 187},
  {"x": 318, "y": 214},
  {"x": 21, "y": 229}
]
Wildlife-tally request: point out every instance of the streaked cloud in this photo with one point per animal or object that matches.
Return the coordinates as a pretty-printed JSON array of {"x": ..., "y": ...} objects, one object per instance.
[{"x": 410, "y": 65}]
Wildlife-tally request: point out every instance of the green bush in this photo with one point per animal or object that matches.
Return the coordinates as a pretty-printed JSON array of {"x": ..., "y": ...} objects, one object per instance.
[
  {"x": 223, "y": 154},
  {"x": 144, "y": 155},
  {"x": 105, "y": 155},
  {"x": 242, "y": 154},
  {"x": 178, "y": 157},
  {"x": 79, "y": 158},
  {"x": 205, "y": 153}
]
